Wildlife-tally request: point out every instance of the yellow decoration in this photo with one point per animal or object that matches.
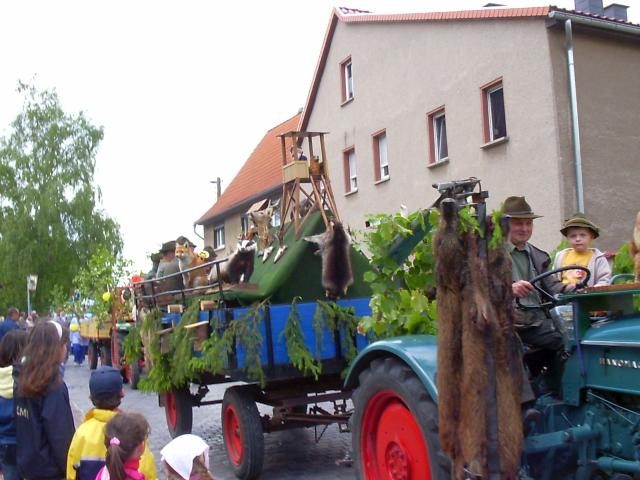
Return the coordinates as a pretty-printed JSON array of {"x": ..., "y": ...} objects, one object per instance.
[{"x": 106, "y": 296}]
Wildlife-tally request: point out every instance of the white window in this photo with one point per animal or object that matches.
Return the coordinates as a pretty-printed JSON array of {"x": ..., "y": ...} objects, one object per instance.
[
  {"x": 380, "y": 148},
  {"x": 441, "y": 150},
  {"x": 244, "y": 223},
  {"x": 348, "y": 81},
  {"x": 275, "y": 219},
  {"x": 496, "y": 123},
  {"x": 346, "y": 72},
  {"x": 218, "y": 237},
  {"x": 351, "y": 171}
]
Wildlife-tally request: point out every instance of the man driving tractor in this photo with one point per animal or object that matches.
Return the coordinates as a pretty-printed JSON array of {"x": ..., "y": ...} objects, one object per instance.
[{"x": 534, "y": 326}]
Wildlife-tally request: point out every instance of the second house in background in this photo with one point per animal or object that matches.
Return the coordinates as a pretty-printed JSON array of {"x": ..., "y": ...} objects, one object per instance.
[{"x": 256, "y": 183}]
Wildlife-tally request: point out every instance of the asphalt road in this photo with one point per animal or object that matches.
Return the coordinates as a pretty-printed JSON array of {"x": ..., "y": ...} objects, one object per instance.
[{"x": 292, "y": 454}]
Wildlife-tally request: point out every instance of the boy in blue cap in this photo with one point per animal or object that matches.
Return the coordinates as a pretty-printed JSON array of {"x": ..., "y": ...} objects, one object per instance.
[{"x": 87, "y": 451}]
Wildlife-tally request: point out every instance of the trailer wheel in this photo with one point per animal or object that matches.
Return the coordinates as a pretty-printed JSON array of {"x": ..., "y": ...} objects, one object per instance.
[
  {"x": 395, "y": 426},
  {"x": 242, "y": 431},
  {"x": 178, "y": 409},
  {"x": 93, "y": 355},
  {"x": 105, "y": 353}
]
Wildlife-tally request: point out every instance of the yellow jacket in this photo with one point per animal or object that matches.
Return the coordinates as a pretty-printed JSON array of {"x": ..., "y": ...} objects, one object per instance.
[{"x": 87, "y": 451}]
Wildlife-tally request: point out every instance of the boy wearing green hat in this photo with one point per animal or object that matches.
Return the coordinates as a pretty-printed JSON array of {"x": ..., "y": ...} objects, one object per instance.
[{"x": 580, "y": 232}]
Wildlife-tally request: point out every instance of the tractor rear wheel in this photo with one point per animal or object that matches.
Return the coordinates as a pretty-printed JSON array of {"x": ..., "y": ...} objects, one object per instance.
[
  {"x": 242, "y": 432},
  {"x": 178, "y": 409},
  {"x": 395, "y": 426}
]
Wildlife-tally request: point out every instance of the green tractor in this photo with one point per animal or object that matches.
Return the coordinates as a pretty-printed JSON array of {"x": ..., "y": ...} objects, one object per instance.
[{"x": 589, "y": 429}]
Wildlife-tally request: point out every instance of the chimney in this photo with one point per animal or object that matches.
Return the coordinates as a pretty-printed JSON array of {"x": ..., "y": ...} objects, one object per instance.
[
  {"x": 617, "y": 11},
  {"x": 590, "y": 6}
]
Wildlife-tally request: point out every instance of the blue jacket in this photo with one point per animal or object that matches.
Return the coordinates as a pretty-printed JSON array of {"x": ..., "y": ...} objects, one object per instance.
[
  {"x": 7, "y": 420},
  {"x": 44, "y": 429},
  {"x": 7, "y": 325}
]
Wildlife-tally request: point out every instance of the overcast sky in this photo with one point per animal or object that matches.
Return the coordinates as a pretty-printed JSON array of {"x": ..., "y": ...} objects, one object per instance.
[{"x": 184, "y": 90}]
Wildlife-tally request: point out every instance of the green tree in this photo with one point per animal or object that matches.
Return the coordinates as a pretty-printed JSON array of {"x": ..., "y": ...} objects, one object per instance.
[{"x": 50, "y": 220}]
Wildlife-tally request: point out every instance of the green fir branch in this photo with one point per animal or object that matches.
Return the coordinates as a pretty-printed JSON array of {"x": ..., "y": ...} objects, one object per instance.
[{"x": 299, "y": 354}]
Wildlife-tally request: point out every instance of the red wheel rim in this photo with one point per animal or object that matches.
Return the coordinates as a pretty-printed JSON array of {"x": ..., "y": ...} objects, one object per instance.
[
  {"x": 170, "y": 410},
  {"x": 233, "y": 435},
  {"x": 391, "y": 441}
]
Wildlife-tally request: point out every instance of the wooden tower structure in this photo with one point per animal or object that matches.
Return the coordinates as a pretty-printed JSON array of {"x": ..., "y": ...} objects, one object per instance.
[{"x": 305, "y": 184}]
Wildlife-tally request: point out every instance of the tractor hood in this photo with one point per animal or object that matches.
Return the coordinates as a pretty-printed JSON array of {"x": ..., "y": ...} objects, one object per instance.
[
  {"x": 614, "y": 333},
  {"x": 611, "y": 353}
]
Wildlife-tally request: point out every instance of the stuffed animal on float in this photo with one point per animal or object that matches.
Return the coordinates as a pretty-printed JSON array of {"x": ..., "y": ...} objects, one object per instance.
[
  {"x": 262, "y": 227},
  {"x": 635, "y": 248},
  {"x": 187, "y": 259},
  {"x": 334, "y": 247},
  {"x": 239, "y": 266}
]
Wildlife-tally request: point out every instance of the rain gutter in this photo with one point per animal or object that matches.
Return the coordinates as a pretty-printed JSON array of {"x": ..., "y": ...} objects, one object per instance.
[{"x": 568, "y": 18}]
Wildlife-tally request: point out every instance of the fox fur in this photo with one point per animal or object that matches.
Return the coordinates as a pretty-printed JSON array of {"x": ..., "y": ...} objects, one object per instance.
[
  {"x": 186, "y": 260},
  {"x": 635, "y": 248},
  {"x": 475, "y": 320},
  {"x": 334, "y": 247}
]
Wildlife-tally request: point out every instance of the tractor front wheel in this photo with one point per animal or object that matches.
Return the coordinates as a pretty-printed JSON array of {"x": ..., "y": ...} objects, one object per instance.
[
  {"x": 178, "y": 409},
  {"x": 242, "y": 431},
  {"x": 395, "y": 426}
]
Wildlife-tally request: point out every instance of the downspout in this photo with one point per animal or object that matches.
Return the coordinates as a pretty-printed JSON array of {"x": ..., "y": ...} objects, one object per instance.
[
  {"x": 622, "y": 28},
  {"x": 197, "y": 234},
  {"x": 575, "y": 126}
]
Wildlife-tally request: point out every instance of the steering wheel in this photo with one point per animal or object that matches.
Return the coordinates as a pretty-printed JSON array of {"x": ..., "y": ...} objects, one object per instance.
[{"x": 551, "y": 300}]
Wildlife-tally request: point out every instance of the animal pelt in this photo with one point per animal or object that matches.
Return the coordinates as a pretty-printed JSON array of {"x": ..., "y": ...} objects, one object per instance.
[
  {"x": 508, "y": 357},
  {"x": 635, "y": 248},
  {"x": 262, "y": 222},
  {"x": 475, "y": 326},
  {"x": 334, "y": 247},
  {"x": 450, "y": 273},
  {"x": 188, "y": 259},
  {"x": 239, "y": 266}
]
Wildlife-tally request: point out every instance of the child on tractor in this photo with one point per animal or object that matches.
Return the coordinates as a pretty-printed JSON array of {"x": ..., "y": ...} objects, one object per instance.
[{"x": 580, "y": 232}]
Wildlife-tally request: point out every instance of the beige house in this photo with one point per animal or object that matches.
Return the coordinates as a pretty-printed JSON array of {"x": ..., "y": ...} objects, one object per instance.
[
  {"x": 258, "y": 181},
  {"x": 414, "y": 99}
]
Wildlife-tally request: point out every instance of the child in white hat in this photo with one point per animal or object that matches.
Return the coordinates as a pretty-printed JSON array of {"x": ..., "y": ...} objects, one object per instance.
[{"x": 186, "y": 458}]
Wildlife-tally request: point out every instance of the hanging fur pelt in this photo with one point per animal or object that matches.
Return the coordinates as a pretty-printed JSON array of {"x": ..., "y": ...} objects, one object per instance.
[
  {"x": 475, "y": 325},
  {"x": 334, "y": 247},
  {"x": 509, "y": 368},
  {"x": 635, "y": 248},
  {"x": 451, "y": 274}
]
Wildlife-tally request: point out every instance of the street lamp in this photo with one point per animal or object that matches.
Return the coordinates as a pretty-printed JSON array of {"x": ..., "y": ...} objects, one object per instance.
[{"x": 32, "y": 283}]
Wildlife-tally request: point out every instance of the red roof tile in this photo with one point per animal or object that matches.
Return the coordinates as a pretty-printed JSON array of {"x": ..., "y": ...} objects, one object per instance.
[{"x": 261, "y": 172}]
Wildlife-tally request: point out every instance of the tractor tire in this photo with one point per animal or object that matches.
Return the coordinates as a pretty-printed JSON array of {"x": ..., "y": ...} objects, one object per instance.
[
  {"x": 395, "y": 425},
  {"x": 242, "y": 432},
  {"x": 105, "y": 354},
  {"x": 178, "y": 409},
  {"x": 93, "y": 355}
]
